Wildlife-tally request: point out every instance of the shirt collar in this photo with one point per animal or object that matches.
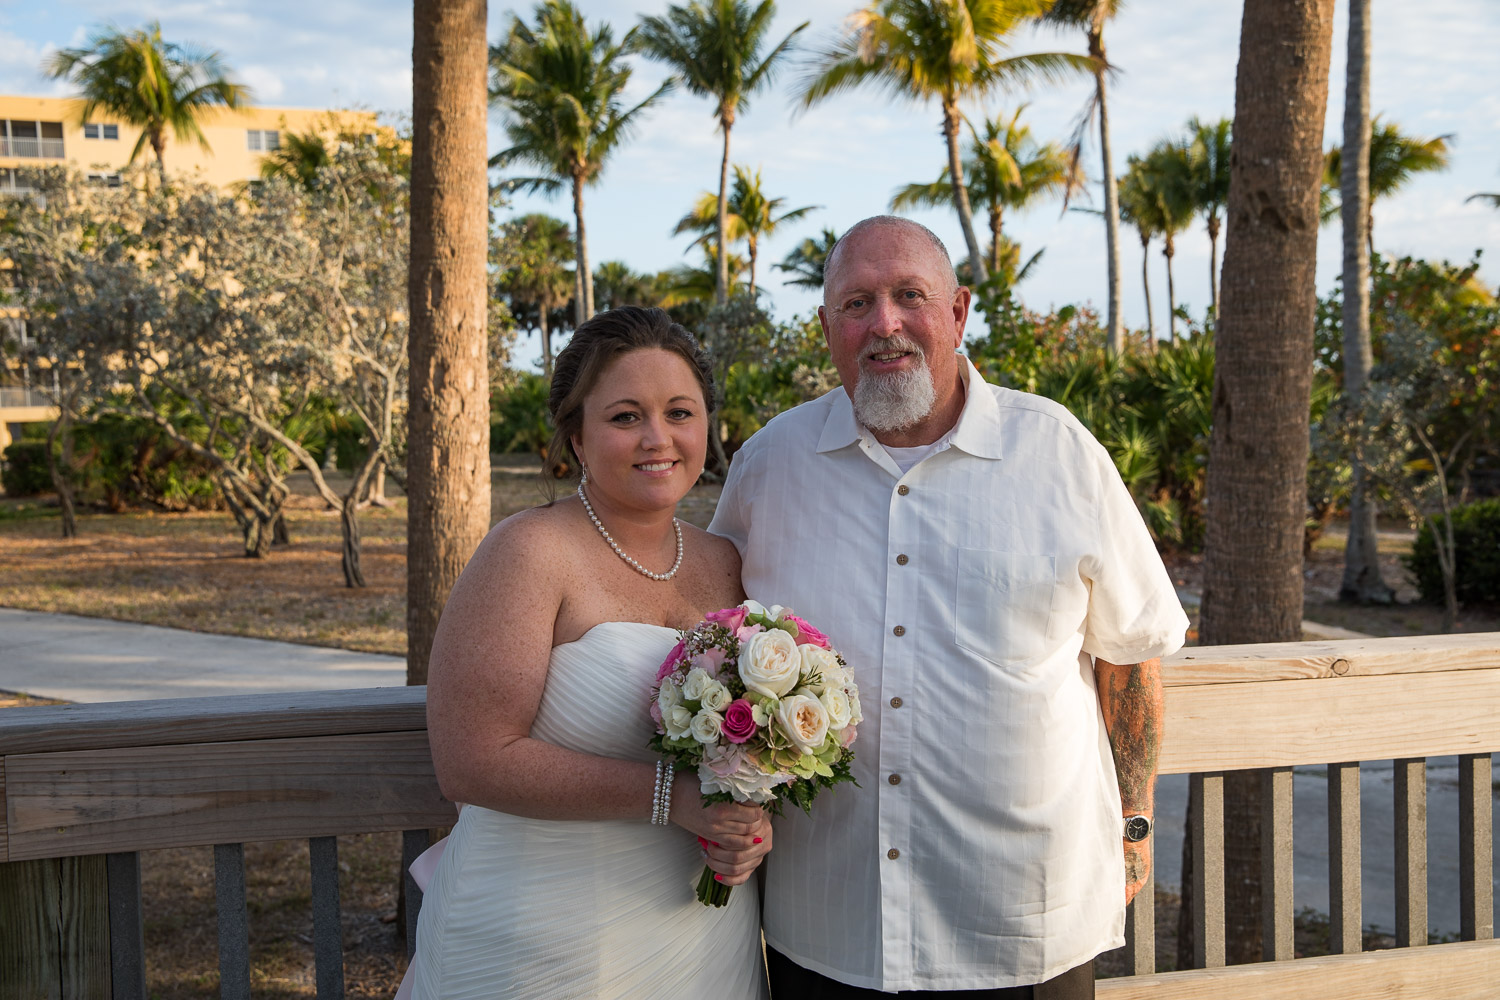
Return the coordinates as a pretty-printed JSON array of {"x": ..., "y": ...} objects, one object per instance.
[{"x": 977, "y": 433}]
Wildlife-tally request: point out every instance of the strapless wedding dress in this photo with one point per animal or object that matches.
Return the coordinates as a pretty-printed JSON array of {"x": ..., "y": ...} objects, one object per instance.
[{"x": 529, "y": 908}]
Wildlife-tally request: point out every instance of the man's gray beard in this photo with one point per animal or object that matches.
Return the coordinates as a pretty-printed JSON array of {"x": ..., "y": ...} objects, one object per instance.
[{"x": 895, "y": 401}]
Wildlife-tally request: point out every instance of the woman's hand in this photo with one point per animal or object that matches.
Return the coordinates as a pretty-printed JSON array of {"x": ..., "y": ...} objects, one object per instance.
[{"x": 736, "y": 836}]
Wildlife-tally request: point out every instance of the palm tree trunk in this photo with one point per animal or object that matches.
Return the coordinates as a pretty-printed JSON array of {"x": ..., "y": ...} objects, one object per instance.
[
  {"x": 1213, "y": 266},
  {"x": 1362, "y": 582},
  {"x": 951, "y": 118},
  {"x": 1167, "y": 252},
  {"x": 753, "y": 250},
  {"x": 541, "y": 312},
  {"x": 1146, "y": 284},
  {"x": 721, "y": 283},
  {"x": 584, "y": 307},
  {"x": 1256, "y": 489},
  {"x": 1115, "y": 341},
  {"x": 448, "y": 472},
  {"x": 996, "y": 224},
  {"x": 159, "y": 146}
]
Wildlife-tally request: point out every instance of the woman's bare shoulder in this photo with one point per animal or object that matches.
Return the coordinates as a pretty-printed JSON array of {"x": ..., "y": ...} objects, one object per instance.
[{"x": 528, "y": 541}]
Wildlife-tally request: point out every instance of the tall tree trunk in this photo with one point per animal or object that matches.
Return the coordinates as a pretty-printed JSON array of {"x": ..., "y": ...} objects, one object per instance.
[
  {"x": 1168, "y": 251},
  {"x": 752, "y": 253},
  {"x": 1115, "y": 341},
  {"x": 1362, "y": 581},
  {"x": 996, "y": 223},
  {"x": 1256, "y": 490},
  {"x": 951, "y": 119},
  {"x": 1213, "y": 266},
  {"x": 1146, "y": 285},
  {"x": 159, "y": 146},
  {"x": 721, "y": 282},
  {"x": 448, "y": 470},
  {"x": 541, "y": 312},
  {"x": 585, "y": 304}
]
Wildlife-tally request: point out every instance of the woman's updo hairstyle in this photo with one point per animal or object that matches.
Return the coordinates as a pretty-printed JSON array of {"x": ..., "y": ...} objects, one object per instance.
[{"x": 595, "y": 345}]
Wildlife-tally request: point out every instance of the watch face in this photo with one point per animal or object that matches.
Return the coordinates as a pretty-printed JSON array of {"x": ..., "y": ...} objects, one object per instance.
[{"x": 1137, "y": 828}]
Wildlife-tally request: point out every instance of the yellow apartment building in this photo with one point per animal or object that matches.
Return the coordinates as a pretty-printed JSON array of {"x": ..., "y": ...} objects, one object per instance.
[{"x": 49, "y": 132}]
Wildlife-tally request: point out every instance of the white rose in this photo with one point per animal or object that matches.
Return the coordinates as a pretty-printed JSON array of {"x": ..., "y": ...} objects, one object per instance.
[
  {"x": 678, "y": 722},
  {"x": 769, "y": 663},
  {"x": 706, "y": 726},
  {"x": 697, "y": 681},
  {"x": 716, "y": 696},
  {"x": 836, "y": 703},
  {"x": 804, "y": 721},
  {"x": 820, "y": 663},
  {"x": 855, "y": 715},
  {"x": 668, "y": 698}
]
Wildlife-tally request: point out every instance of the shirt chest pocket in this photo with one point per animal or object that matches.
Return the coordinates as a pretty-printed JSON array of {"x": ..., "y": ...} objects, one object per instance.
[{"x": 1002, "y": 604}]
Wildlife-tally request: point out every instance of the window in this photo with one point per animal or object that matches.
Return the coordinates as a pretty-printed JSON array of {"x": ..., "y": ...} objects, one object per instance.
[
  {"x": 97, "y": 131},
  {"x": 262, "y": 140},
  {"x": 105, "y": 180},
  {"x": 31, "y": 140}
]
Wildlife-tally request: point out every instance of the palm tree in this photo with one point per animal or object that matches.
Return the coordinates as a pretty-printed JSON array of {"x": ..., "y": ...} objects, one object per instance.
[
  {"x": 149, "y": 83},
  {"x": 1485, "y": 197},
  {"x": 688, "y": 284},
  {"x": 447, "y": 466},
  {"x": 714, "y": 48},
  {"x": 1005, "y": 169},
  {"x": 808, "y": 258},
  {"x": 751, "y": 215},
  {"x": 615, "y": 284},
  {"x": 298, "y": 160},
  {"x": 561, "y": 87},
  {"x": 1138, "y": 206},
  {"x": 538, "y": 278},
  {"x": 1208, "y": 162},
  {"x": 943, "y": 50},
  {"x": 1167, "y": 179},
  {"x": 1395, "y": 158},
  {"x": 1090, "y": 15}
]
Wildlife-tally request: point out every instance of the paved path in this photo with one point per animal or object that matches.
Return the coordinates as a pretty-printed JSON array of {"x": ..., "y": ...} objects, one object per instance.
[{"x": 94, "y": 659}]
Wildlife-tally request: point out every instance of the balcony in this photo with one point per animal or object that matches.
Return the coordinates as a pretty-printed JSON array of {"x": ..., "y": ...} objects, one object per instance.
[
  {"x": 99, "y": 783},
  {"x": 35, "y": 149}
]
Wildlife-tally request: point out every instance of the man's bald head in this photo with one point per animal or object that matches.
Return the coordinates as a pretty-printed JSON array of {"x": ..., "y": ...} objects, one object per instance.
[{"x": 892, "y": 223}]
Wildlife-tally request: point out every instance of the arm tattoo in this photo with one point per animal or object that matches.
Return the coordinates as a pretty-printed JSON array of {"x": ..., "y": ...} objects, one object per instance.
[{"x": 1130, "y": 696}]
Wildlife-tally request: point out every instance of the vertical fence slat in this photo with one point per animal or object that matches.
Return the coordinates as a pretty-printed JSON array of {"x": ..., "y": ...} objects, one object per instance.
[
  {"x": 1276, "y": 909},
  {"x": 127, "y": 945},
  {"x": 1476, "y": 844},
  {"x": 413, "y": 843},
  {"x": 1345, "y": 906},
  {"x": 234, "y": 921},
  {"x": 1411, "y": 851},
  {"x": 1207, "y": 824},
  {"x": 328, "y": 931},
  {"x": 1140, "y": 924}
]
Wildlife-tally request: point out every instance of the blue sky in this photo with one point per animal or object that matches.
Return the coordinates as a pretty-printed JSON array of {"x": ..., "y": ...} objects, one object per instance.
[{"x": 1433, "y": 73}]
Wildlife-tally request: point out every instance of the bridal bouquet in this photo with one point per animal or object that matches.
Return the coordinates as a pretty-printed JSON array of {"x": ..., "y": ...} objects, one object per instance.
[{"x": 762, "y": 706}]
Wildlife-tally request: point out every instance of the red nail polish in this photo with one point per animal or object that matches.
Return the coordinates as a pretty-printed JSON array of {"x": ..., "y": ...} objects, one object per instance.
[
  {"x": 702, "y": 842},
  {"x": 756, "y": 840},
  {"x": 716, "y": 843},
  {"x": 718, "y": 878}
]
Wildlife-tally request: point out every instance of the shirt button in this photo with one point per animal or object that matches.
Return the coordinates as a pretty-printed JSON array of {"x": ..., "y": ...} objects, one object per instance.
[
  {"x": 901, "y": 560},
  {"x": 895, "y": 779},
  {"x": 895, "y": 702},
  {"x": 893, "y": 854},
  {"x": 899, "y": 630},
  {"x": 903, "y": 489}
]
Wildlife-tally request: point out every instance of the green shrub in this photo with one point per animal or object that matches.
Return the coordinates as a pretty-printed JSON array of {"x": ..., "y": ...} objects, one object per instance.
[
  {"x": 25, "y": 470},
  {"x": 1476, "y": 541}
]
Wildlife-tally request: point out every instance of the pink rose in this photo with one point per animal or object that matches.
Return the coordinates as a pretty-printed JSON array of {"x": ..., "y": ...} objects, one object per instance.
[
  {"x": 670, "y": 663},
  {"x": 730, "y": 618},
  {"x": 846, "y": 736},
  {"x": 656, "y": 716},
  {"x": 710, "y": 660},
  {"x": 739, "y": 721},
  {"x": 744, "y": 632},
  {"x": 806, "y": 633}
]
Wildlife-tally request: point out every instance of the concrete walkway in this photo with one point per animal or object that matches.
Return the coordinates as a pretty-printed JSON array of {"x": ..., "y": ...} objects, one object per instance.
[{"x": 94, "y": 659}]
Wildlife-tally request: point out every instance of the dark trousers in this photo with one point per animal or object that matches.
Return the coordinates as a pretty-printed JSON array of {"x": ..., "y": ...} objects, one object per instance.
[{"x": 790, "y": 981}]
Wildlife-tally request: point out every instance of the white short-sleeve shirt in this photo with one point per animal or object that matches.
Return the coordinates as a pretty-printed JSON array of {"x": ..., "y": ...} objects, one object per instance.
[{"x": 982, "y": 848}]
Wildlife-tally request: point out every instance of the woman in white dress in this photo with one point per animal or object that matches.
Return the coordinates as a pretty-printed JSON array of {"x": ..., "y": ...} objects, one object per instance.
[{"x": 558, "y": 881}]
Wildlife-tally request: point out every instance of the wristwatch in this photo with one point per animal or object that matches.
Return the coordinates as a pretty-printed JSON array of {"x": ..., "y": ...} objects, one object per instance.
[{"x": 1137, "y": 828}]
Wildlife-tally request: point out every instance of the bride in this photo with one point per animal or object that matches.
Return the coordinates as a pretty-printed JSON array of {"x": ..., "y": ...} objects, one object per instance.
[{"x": 570, "y": 873}]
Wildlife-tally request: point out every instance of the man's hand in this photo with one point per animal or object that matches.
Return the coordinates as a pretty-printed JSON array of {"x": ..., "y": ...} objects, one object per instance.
[{"x": 1137, "y": 867}]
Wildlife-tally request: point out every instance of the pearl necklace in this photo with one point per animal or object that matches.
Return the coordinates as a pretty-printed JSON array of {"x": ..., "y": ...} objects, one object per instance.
[{"x": 621, "y": 552}]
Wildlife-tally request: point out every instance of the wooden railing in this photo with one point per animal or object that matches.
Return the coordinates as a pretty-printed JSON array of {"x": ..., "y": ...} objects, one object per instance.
[{"x": 95, "y": 784}]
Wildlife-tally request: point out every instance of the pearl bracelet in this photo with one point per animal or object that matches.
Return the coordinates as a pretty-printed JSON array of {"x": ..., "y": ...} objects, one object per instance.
[{"x": 661, "y": 797}]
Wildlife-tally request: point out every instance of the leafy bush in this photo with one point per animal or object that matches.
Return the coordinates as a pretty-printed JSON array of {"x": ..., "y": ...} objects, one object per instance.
[
  {"x": 1476, "y": 541},
  {"x": 24, "y": 473}
]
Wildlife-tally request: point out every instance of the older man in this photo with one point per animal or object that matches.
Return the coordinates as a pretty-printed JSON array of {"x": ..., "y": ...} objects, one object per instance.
[{"x": 973, "y": 553}]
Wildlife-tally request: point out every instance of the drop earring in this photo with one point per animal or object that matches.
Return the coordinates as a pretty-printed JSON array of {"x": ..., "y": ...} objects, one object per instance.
[{"x": 583, "y": 480}]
